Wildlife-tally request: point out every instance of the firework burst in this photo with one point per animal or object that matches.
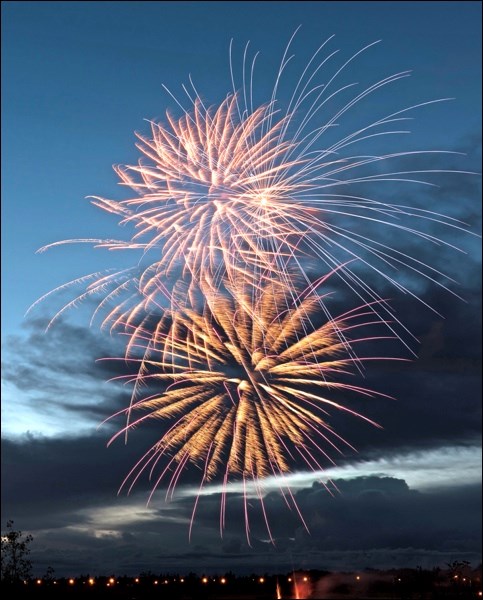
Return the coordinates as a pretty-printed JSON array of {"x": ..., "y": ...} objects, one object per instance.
[
  {"x": 248, "y": 388},
  {"x": 244, "y": 194}
]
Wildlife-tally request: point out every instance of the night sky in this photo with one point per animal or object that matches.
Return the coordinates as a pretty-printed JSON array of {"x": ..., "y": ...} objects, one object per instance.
[{"x": 78, "y": 79}]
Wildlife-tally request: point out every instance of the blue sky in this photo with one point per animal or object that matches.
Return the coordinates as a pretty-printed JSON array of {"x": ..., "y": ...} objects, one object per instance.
[{"x": 78, "y": 79}]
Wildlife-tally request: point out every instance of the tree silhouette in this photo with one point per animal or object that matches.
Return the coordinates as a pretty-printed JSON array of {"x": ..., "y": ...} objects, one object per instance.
[{"x": 15, "y": 564}]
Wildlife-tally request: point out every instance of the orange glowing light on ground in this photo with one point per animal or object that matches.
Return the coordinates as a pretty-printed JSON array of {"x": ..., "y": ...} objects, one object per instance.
[{"x": 278, "y": 591}]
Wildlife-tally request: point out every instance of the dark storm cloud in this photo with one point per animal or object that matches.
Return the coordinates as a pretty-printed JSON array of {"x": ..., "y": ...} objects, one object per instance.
[
  {"x": 60, "y": 474},
  {"x": 60, "y": 374},
  {"x": 71, "y": 349},
  {"x": 436, "y": 397},
  {"x": 367, "y": 513},
  {"x": 368, "y": 516},
  {"x": 63, "y": 491}
]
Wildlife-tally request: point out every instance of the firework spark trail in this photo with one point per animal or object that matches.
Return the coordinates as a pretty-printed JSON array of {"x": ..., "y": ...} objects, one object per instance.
[{"x": 246, "y": 389}]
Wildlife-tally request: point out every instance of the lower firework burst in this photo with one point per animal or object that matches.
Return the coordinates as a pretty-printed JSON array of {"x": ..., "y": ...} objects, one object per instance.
[{"x": 247, "y": 388}]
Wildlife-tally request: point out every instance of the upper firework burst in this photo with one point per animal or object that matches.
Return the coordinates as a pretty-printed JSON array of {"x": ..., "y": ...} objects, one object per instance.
[{"x": 238, "y": 194}]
